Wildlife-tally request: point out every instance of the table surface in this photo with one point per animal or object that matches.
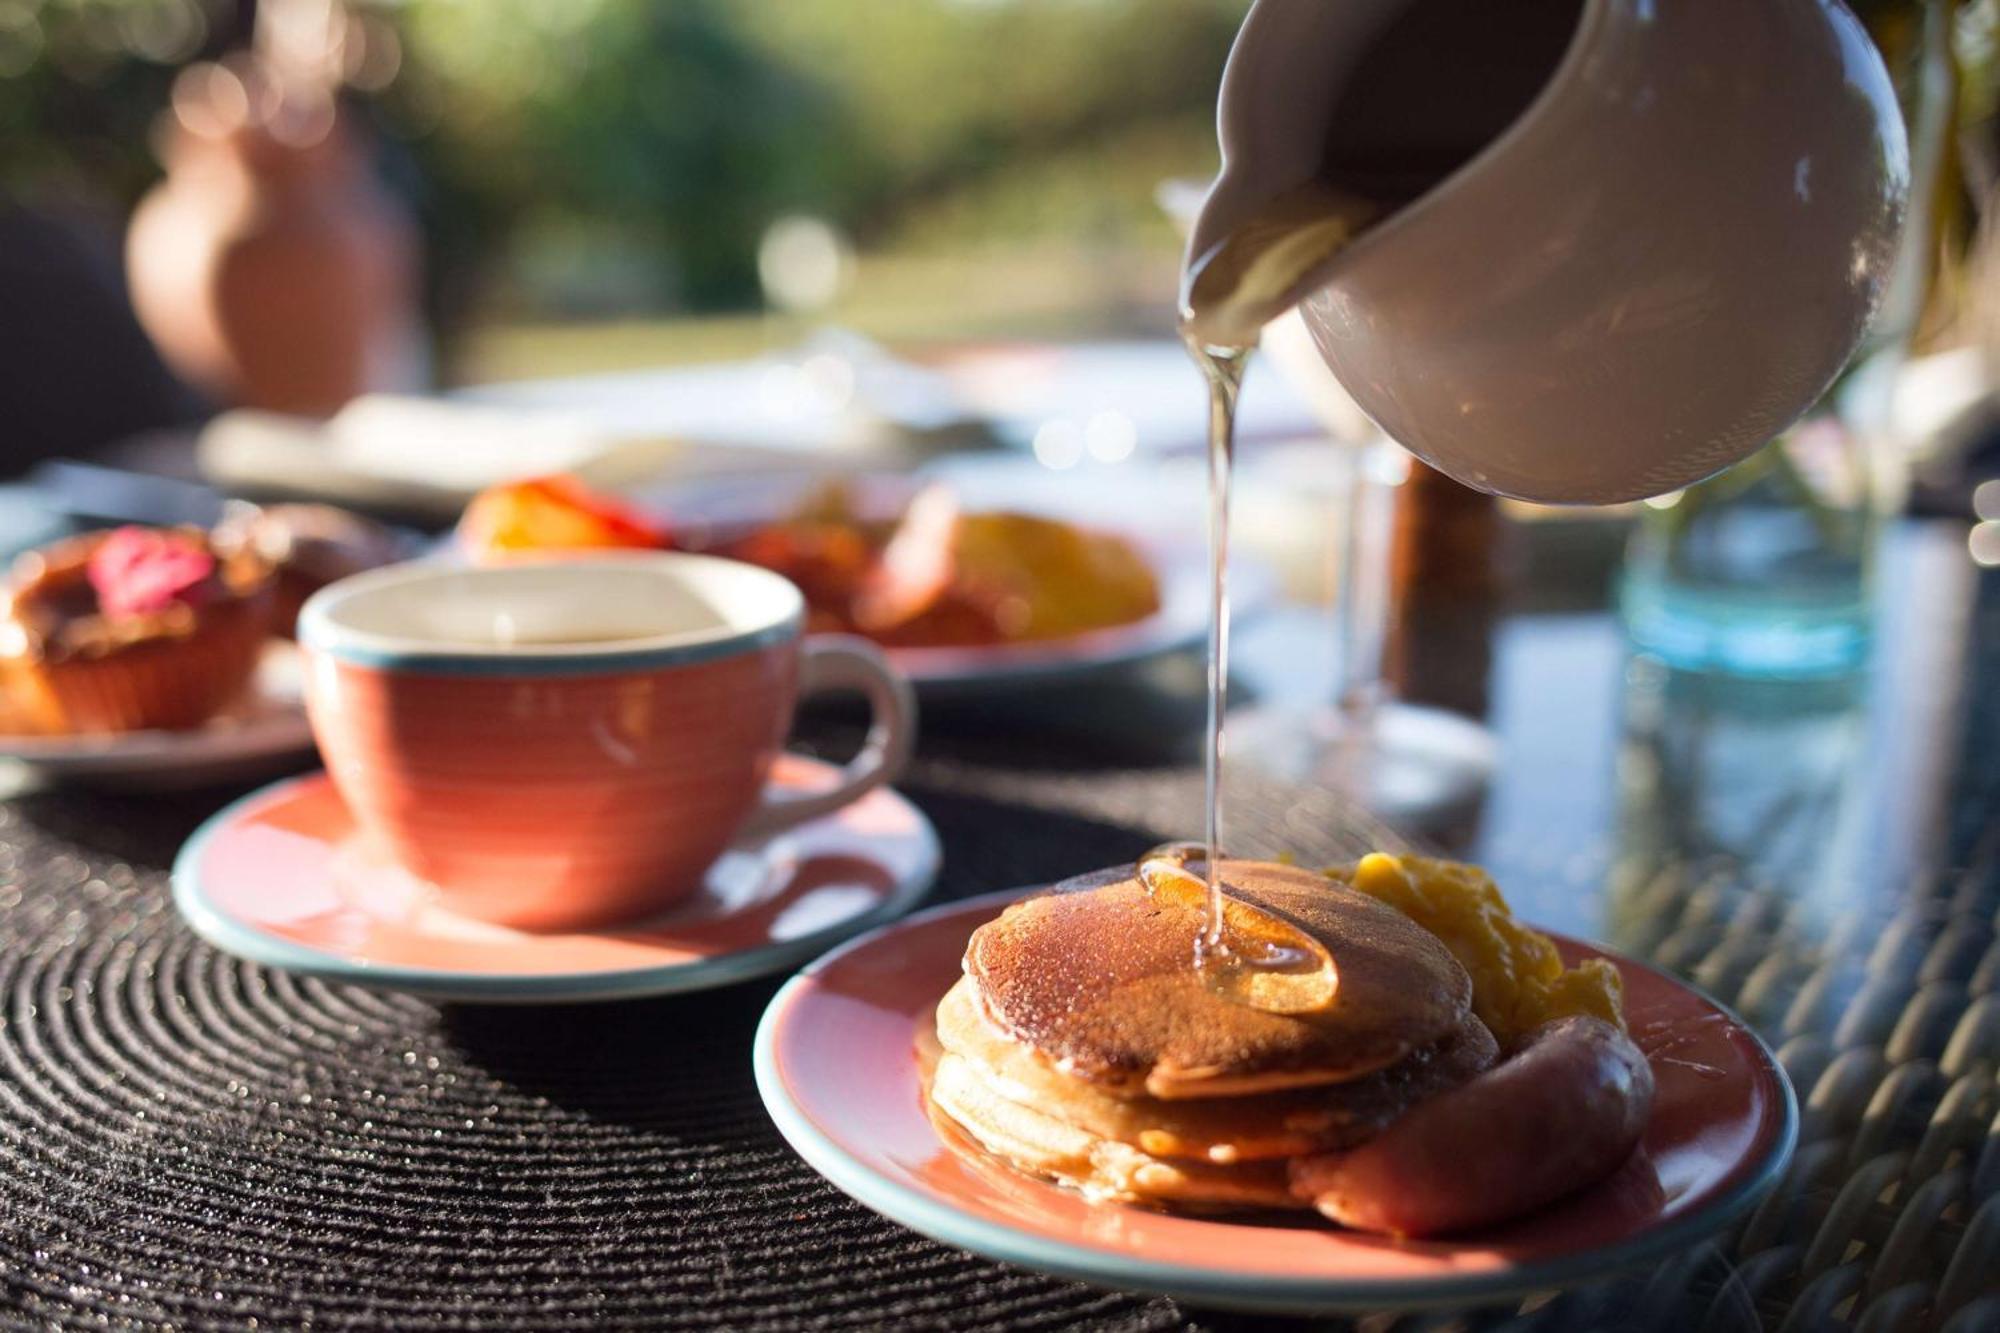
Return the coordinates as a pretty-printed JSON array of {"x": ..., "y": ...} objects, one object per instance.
[{"x": 191, "y": 1141}]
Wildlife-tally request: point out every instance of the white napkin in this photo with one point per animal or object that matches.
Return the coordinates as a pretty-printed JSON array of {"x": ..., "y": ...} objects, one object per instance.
[{"x": 839, "y": 404}]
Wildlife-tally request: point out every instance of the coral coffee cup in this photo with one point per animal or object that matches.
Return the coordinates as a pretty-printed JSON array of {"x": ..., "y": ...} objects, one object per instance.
[{"x": 572, "y": 743}]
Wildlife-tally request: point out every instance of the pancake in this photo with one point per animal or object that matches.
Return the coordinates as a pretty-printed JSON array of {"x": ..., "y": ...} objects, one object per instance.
[
  {"x": 1095, "y": 979},
  {"x": 1104, "y": 1171},
  {"x": 1224, "y": 1130}
]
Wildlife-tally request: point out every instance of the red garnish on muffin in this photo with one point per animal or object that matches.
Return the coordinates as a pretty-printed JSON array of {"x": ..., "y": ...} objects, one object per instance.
[{"x": 138, "y": 571}]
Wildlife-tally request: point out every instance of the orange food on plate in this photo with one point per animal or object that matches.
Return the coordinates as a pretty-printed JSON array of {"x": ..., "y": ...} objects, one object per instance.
[
  {"x": 1037, "y": 578},
  {"x": 551, "y": 514},
  {"x": 932, "y": 576},
  {"x": 1519, "y": 982}
]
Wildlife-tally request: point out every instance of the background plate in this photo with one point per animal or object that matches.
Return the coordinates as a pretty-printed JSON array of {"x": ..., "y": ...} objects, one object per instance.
[{"x": 260, "y": 735}]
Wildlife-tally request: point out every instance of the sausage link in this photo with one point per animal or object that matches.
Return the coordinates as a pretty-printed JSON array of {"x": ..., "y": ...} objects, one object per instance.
[{"x": 1561, "y": 1114}]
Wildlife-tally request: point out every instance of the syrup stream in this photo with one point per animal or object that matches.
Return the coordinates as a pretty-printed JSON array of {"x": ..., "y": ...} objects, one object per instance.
[
  {"x": 1268, "y": 262},
  {"x": 1222, "y": 368},
  {"x": 1257, "y": 959}
]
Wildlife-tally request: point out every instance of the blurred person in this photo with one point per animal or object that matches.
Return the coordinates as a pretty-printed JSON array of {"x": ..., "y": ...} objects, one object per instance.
[{"x": 76, "y": 372}]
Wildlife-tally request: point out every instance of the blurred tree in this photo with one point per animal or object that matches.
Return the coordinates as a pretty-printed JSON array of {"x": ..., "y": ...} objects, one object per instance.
[
  {"x": 627, "y": 127},
  {"x": 79, "y": 86},
  {"x": 80, "y": 83},
  {"x": 626, "y": 155},
  {"x": 947, "y": 92},
  {"x": 652, "y": 130}
]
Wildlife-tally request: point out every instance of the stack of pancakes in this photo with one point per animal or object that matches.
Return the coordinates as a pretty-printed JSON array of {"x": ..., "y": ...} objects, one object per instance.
[{"x": 1082, "y": 1045}]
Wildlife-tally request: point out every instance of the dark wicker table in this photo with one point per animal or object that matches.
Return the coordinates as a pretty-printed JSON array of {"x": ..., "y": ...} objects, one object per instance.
[{"x": 190, "y": 1141}]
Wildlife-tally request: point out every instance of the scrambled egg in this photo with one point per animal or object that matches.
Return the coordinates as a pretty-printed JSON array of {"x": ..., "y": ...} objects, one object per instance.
[{"x": 1518, "y": 980}]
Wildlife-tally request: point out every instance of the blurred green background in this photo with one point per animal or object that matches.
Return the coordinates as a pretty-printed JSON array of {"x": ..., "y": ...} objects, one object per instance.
[{"x": 595, "y": 177}]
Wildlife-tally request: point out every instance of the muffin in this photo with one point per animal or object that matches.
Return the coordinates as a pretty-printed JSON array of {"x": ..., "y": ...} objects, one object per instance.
[
  {"x": 133, "y": 629},
  {"x": 307, "y": 546}
]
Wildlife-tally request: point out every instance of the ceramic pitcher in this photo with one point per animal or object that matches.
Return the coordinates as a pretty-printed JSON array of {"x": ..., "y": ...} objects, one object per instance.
[
  {"x": 268, "y": 266},
  {"x": 1631, "y": 241}
]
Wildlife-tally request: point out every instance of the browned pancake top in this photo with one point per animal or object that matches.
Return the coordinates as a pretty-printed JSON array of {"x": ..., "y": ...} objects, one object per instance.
[{"x": 1099, "y": 981}]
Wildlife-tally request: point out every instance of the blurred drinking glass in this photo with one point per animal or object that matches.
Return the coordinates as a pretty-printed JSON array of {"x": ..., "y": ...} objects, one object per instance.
[{"x": 1407, "y": 764}]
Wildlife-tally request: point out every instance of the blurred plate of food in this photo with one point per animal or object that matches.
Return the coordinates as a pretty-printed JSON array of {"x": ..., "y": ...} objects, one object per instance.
[
  {"x": 259, "y": 733},
  {"x": 967, "y": 597},
  {"x": 158, "y": 657}
]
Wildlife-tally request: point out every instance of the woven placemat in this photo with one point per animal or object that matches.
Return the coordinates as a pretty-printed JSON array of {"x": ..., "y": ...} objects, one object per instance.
[
  {"x": 185, "y": 1139},
  {"x": 190, "y": 1141}
]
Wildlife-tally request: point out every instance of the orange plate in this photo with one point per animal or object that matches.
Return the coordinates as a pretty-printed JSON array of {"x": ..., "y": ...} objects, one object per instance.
[
  {"x": 282, "y": 878},
  {"x": 837, "y": 1069}
]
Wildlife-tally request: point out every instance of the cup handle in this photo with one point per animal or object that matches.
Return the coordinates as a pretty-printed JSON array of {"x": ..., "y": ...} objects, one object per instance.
[{"x": 847, "y": 662}]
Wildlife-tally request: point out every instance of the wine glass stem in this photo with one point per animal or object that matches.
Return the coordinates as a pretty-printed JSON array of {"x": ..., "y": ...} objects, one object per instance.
[{"x": 1361, "y": 584}]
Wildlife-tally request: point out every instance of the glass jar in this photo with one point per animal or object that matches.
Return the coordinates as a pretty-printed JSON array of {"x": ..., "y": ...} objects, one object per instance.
[{"x": 1764, "y": 570}]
